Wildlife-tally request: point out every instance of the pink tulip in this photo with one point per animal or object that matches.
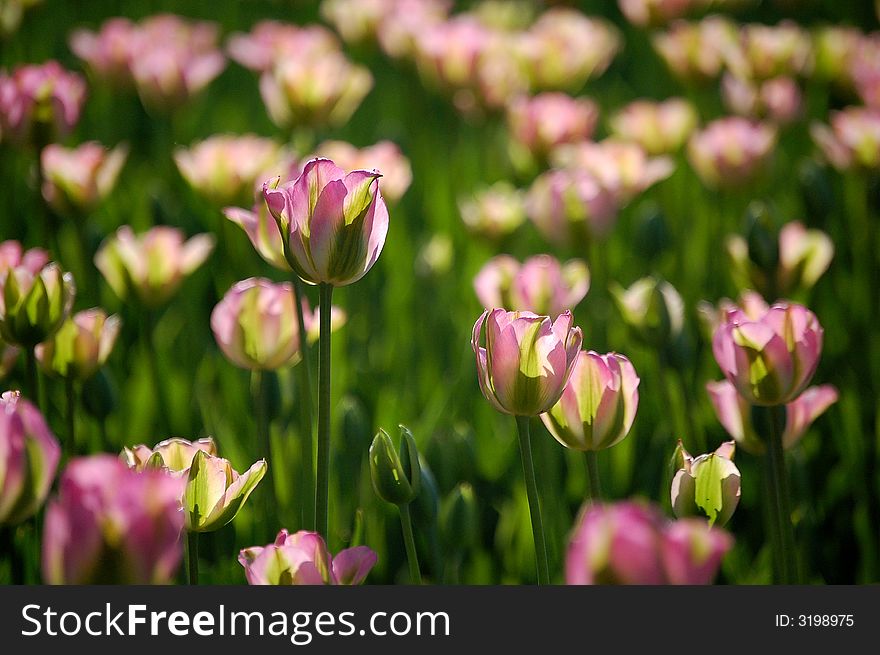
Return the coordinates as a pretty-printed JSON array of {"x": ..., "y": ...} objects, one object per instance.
[
  {"x": 765, "y": 52},
  {"x": 78, "y": 179},
  {"x": 540, "y": 123},
  {"x": 302, "y": 558},
  {"x": 864, "y": 70},
  {"x": 735, "y": 414},
  {"x": 255, "y": 325},
  {"x": 40, "y": 103},
  {"x": 778, "y": 99},
  {"x": 448, "y": 53},
  {"x": 527, "y": 359},
  {"x": 271, "y": 41},
  {"x": 651, "y": 13},
  {"x": 334, "y": 223},
  {"x": 112, "y": 525},
  {"x": 263, "y": 232},
  {"x": 598, "y": 406},
  {"x": 29, "y": 455},
  {"x": 658, "y": 127},
  {"x": 707, "y": 485},
  {"x": 405, "y": 21},
  {"x": 357, "y": 21},
  {"x": 696, "y": 51},
  {"x": 81, "y": 345},
  {"x": 852, "y": 140},
  {"x": 731, "y": 151},
  {"x": 493, "y": 211},
  {"x": 13, "y": 255},
  {"x": 835, "y": 47},
  {"x": 540, "y": 284},
  {"x": 176, "y": 454},
  {"x": 711, "y": 317},
  {"x": 108, "y": 51},
  {"x": 770, "y": 360},
  {"x": 692, "y": 553},
  {"x": 384, "y": 156}
]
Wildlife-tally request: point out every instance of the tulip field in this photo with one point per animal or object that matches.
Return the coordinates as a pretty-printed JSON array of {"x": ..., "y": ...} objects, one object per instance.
[{"x": 435, "y": 292}]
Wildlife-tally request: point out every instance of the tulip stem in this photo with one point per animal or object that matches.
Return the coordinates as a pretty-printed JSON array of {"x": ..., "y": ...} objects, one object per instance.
[
  {"x": 260, "y": 391},
  {"x": 525, "y": 451},
  {"x": 149, "y": 336},
  {"x": 192, "y": 557},
  {"x": 322, "y": 488},
  {"x": 304, "y": 385},
  {"x": 593, "y": 475},
  {"x": 70, "y": 396},
  {"x": 33, "y": 378},
  {"x": 415, "y": 575}
]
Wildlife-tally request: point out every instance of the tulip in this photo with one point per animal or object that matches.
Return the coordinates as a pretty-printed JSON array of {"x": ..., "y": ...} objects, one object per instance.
[
  {"x": 598, "y": 406},
  {"x": 778, "y": 99},
  {"x": 29, "y": 456},
  {"x": 658, "y": 127},
  {"x": 651, "y": 13},
  {"x": 255, "y": 325},
  {"x": 356, "y": 21},
  {"x": 540, "y": 123},
  {"x": 271, "y": 41},
  {"x": 302, "y": 558},
  {"x": 107, "y": 51},
  {"x": 653, "y": 310},
  {"x": 215, "y": 492},
  {"x": 334, "y": 223},
  {"x": 263, "y": 232},
  {"x": 112, "y": 525},
  {"x": 852, "y": 140},
  {"x": 173, "y": 455},
  {"x": 153, "y": 265},
  {"x": 81, "y": 345},
  {"x": 731, "y": 151},
  {"x": 540, "y": 284},
  {"x": 864, "y": 70},
  {"x": 768, "y": 51},
  {"x": 448, "y": 53},
  {"x": 834, "y": 48},
  {"x": 33, "y": 306},
  {"x": 493, "y": 211},
  {"x": 13, "y": 255},
  {"x": 384, "y": 156},
  {"x": 735, "y": 414},
  {"x": 227, "y": 169},
  {"x": 696, "y": 51},
  {"x": 78, "y": 179},
  {"x": 750, "y": 302},
  {"x": 770, "y": 360},
  {"x": 40, "y": 103},
  {"x": 708, "y": 485},
  {"x": 692, "y": 553}
]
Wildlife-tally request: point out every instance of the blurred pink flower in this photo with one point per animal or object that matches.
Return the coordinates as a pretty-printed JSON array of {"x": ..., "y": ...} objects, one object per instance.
[
  {"x": 696, "y": 51},
  {"x": 77, "y": 180},
  {"x": 778, "y": 99},
  {"x": 401, "y": 26},
  {"x": 864, "y": 70},
  {"x": 81, "y": 345},
  {"x": 658, "y": 127},
  {"x": 13, "y": 255},
  {"x": 493, "y": 211},
  {"x": 384, "y": 156},
  {"x": 652, "y": 13},
  {"x": 834, "y": 48},
  {"x": 271, "y": 41},
  {"x": 751, "y": 303},
  {"x": 851, "y": 140},
  {"x": 691, "y": 553},
  {"x": 540, "y": 123},
  {"x": 731, "y": 151},
  {"x": 764, "y": 52},
  {"x": 107, "y": 52}
]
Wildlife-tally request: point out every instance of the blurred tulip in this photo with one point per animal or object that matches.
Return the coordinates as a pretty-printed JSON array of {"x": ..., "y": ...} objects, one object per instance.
[
  {"x": 770, "y": 359},
  {"x": 651, "y": 13},
  {"x": 107, "y": 51},
  {"x": 834, "y": 48},
  {"x": 152, "y": 265},
  {"x": 77, "y": 180},
  {"x": 13, "y": 255},
  {"x": 8, "y": 358},
  {"x": 324, "y": 90},
  {"x": 215, "y": 492},
  {"x": 527, "y": 360},
  {"x": 255, "y": 325},
  {"x": 111, "y": 525},
  {"x": 540, "y": 123},
  {"x": 598, "y": 405},
  {"x": 29, "y": 456},
  {"x": 271, "y": 41},
  {"x": 751, "y": 303},
  {"x": 33, "y": 305},
  {"x": 864, "y": 70},
  {"x": 765, "y": 52},
  {"x": 174, "y": 455},
  {"x": 735, "y": 414},
  {"x": 312, "y": 320},
  {"x": 384, "y": 156},
  {"x": 852, "y": 140},
  {"x": 778, "y": 99},
  {"x": 263, "y": 232},
  {"x": 40, "y": 103},
  {"x": 405, "y": 21},
  {"x": 448, "y": 53},
  {"x": 302, "y": 558},
  {"x": 81, "y": 345},
  {"x": 696, "y": 51},
  {"x": 708, "y": 485},
  {"x": 540, "y": 284},
  {"x": 731, "y": 151},
  {"x": 653, "y": 310},
  {"x": 658, "y": 127},
  {"x": 493, "y": 211},
  {"x": 396, "y": 476},
  {"x": 11, "y": 12},
  {"x": 356, "y": 20},
  {"x": 692, "y": 553},
  {"x": 334, "y": 223},
  {"x": 230, "y": 169}
]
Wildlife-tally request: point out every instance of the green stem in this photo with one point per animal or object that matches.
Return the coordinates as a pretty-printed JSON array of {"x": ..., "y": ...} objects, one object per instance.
[
  {"x": 70, "y": 395},
  {"x": 33, "y": 377},
  {"x": 191, "y": 546},
  {"x": 525, "y": 450},
  {"x": 415, "y": 575},
  {"x": 260, "y": 393},
  {"x": 592, "y": 460},
  {"x": 306, "y": 437},
  {"x": 149, "y": 336},
  {"x": 322, "y": 489}
]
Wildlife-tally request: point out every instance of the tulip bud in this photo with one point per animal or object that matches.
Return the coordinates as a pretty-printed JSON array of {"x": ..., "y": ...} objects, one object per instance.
[
  {"x": 81, "y": 346},
  {"x": 692, "y": 552},
  {"x": 29, "y": 455},
  {"x": 540, "y": 123},
  {"x": 215, "y": 492},
  {"x": 708, "y": 485},
  {"x": 78, "y": 179},
  {"x": 659, "y": 127},
  {"x": 396, "y": 477},
  {"x": 852, "y": 140},
  {"x": 175, "y": 455},
  {"x": 730, "y": 152},
  {"x": 334, "y": 223},
  {"x": 461, "y": 524},
  {"x": 302, "y": 558},
  {"x": 527, "y": 360},
  {"x": 495, "y": 211},
  {"x": 34, "y": 305},
  {"x": 653, "y": 310}
]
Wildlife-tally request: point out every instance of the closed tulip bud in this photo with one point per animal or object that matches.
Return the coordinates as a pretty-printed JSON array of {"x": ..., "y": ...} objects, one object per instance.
[
  {"x": 652, "y": 309},
  {"x": 708, "y": 485},
  {"x": 33, "y": 306},
  {"x": 851, "y": 140},
  {"x": 770, "y": 360},
  {"x": 540, "y": 284},
  {"x": 735, "y": 414},
  {"x": 255, "y": 325},
  {"x": 692, "y": 552},
  {"x": 215, "y": 492},
  {"x": 111, "y": 525},
  {"x": 153, "y": 265},
  {"x": 731, "y": 152},
  {"x": 384, "y": 156},
  {"x": 527, "y": 360},
  {"x": 263, "y": 232},
  {"x": 302, "y": 558},
  {"x": 334, "y": 223},
  {"x": 175, "y": 455},
  {"x": 658, "y": 127},
  {"x": 495, "y": 211},
  {"x": 29, "y": 455},
  {"x": 81, "y": 345},
  {"x": 461, "y": 521},
  {"x": 396, "y": 476},
  {"x": 598, "y": 405},
  {"x": 78, "y": 179}
]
